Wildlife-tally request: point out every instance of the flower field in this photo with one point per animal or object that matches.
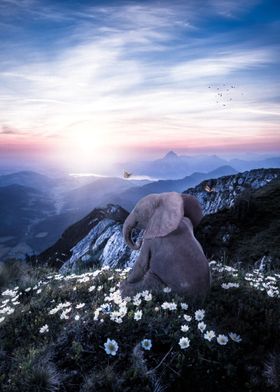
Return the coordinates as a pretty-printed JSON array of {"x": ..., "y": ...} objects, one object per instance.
[{"x": 76, "y": 333}]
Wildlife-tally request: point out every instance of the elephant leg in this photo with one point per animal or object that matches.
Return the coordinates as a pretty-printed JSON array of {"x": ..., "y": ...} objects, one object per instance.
[
  {"x": 141, "y": 265},
  {"x": 149, "y": 282}
]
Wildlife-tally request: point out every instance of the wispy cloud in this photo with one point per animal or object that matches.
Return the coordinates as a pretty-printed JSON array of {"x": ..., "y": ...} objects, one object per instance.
[
  {"x": 5, "y": 130},
  {"x": 139, "y": 74}
]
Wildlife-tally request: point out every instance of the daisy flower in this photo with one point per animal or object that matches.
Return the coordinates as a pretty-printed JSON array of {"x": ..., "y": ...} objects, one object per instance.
[
  {"x": 187, "y": 317},
  {"x": 138, "y": 315},
  {"x": 80, "y": 306},
  {"x": 146, "y": 344},
  {"x": 222, "y": 340},
  {"x": 111, "y": 347},
  {"x": 44, "y": 328},
  {"x": 209, "y": 335},
  {"x": 184, "y": 343},
  {"x": 199, "y": 314},
  {"x": 236, "y": 338},
  {"x": 201, "y": 326}
]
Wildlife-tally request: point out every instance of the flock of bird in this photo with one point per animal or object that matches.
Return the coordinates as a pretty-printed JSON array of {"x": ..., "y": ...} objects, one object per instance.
[{"x": 223, "y": 93}]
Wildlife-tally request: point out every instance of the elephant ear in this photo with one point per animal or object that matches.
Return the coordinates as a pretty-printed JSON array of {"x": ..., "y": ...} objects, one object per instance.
[
  {"x": 192, "y": 209},
  {"x": 167, "y": 215}
]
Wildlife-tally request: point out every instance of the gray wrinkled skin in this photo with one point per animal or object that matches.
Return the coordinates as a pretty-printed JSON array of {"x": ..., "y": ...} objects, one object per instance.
[{"x": 170, "y": 254}]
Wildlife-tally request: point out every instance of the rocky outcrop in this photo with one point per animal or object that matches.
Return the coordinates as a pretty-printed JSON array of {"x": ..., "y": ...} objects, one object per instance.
[
  {"x": 104, "y": 245},
  {"x": 224, "y": 192},
  {"x": 247, "y": 232},
  {"x": 90, "y": 227}
]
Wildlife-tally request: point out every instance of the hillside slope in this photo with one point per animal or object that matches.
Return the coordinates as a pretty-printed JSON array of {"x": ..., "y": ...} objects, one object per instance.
[
  {"x": 75, "y": 333},
  {"x": 246, "y": 231}
]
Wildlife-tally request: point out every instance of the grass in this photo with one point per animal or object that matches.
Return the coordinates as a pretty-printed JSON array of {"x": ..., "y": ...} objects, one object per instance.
[{"x": 53, "y": 334}]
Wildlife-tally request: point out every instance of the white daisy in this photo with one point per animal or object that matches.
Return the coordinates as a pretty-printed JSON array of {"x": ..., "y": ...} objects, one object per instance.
[
  {"x": 209, "y": 335},
  {"x": 44, "y": 328},
  {"x": 146, "y": 344},
  {"x": 172, "y": 306},
  {"x": 236, "y": 338},
  {"x": 184, "y": 306},
  {"x": 148, "y": 297},
  {"x": 111, "y": 347},
  {"x": 199, "y": 314},
  {"x": 201, "y": 326},
  {"x": 184, "y": 343},
  {"x": 222, "y": 340},
  {"x": 80, "y": 306},
  {"x": 77, "y": 317},
  {"x": 138, "y": 315},
  {"x": 137, "y": 302},
  {"x": 184, "y": 328},
  {"x": 167, "y": 290},
  {"x": 187, "y": 317}
]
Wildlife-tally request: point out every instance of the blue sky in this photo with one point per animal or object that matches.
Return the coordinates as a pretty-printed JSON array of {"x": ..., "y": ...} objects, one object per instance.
[{"x": 81, "y": 80}]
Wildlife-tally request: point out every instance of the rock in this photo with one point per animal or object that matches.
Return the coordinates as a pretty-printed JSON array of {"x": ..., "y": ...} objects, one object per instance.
[
  {"x": 248, "y": 234},
  {"x": 227, "y": 189},
  {"x": 103, "y": 246}
]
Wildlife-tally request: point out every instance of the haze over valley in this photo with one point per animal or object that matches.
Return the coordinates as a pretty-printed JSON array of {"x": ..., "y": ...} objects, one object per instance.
[{"x": 35, "y": 208}]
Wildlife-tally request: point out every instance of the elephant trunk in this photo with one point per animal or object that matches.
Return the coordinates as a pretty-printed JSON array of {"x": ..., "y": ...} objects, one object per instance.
[{"x": 128, "y": 226}]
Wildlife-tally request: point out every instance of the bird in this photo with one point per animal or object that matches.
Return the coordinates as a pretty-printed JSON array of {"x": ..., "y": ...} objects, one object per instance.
[
  {"x": 209, "y": 188},
  {"x": 126, "y": 174}
]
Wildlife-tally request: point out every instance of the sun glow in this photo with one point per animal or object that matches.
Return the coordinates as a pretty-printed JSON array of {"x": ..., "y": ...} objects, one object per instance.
[{"x": 87, "y": 147}]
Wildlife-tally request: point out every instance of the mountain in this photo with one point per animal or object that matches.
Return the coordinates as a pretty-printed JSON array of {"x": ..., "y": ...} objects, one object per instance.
[
  {"x": 130, "y": 197},
  {"x": 242, "y": 165},
  {"x": 20, "y": 208},
  {"x": 36, "y": 209},
  {"x": 176, "y": 166},
  {"x": 27, "y": 178},
  {"x": 97, "y": 239},
  {"x": 171, "y": 155},
  {"x": 97, "y": 193}
]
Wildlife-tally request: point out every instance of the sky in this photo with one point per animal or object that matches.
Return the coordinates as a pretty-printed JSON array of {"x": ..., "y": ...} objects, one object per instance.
[{"x": 87, "y": 83}]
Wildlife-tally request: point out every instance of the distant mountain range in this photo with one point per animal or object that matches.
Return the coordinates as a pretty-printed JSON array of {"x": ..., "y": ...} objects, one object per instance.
[
  {"x": 35, "y": 209},
  {"x": 130, "y": 197},
  {"x": 20, "y": 208},
  {"x": 173, "y": 166},
  {"x": 28, "y": 179}
]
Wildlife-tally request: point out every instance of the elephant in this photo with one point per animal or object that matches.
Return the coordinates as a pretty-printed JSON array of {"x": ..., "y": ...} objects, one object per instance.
[{"x": 170, "y": 254}]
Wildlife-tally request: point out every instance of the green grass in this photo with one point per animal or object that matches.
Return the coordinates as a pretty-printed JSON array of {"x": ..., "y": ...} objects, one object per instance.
[{"x": 69, "y": 353}]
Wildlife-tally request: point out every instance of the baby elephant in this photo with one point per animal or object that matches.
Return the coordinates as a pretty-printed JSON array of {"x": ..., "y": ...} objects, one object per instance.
[{"x": 170, "y": 254}]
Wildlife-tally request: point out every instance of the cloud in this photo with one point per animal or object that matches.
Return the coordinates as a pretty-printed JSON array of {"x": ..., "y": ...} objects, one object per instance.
[
  {"x": 140, "y": 74},
  {"x": 6, "y": 130},
  {"x": 222, "y": 64}
]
